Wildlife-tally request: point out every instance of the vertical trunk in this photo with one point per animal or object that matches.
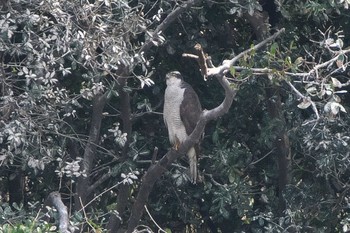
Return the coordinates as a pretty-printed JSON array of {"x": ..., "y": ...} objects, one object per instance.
[
  {"x": 123, "y": 192},
  {"x": 114, "y": 222},
  {"x": 15, "y": 185},
  {"x": 125, "y": 114},
  {"x": 281, "y": 144},
  {"x": 15, "y": 177},
  {"x": 259, "y": 22},
  {"x": 83, "y": 184}
]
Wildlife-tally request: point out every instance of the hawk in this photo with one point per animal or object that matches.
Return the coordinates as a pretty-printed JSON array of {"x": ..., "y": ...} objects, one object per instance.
[{"x": 181, "y": 113}]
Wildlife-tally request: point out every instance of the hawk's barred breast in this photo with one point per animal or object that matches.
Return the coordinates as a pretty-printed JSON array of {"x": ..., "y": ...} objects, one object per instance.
[{"x": 174, "y": 95}]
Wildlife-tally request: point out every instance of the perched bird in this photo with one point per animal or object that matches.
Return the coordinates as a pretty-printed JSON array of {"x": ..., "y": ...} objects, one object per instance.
[{"x": 181, "y": 113}]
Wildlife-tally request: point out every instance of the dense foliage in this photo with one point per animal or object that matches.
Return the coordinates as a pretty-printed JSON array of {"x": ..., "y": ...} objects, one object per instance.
[{"x": 81, "y": 91}]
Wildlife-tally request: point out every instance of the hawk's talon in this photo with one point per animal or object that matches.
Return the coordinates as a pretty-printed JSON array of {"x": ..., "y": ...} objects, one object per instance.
[{"x": 177, "y": 144}]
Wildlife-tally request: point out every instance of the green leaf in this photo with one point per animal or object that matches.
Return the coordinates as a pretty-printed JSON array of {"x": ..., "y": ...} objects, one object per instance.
[
  {"x": 127, "y": 89},
  {"x": 298, "y": 61},
  {"x": 112, "y": 93},
  {"x": 232, "y": 176},
  {"x": 336, "y": 82},
  {"x": 261, "y": 222},
  {"x": 215, "y": 137},
  {"x": 340, "y": 61},
  {"x": 224, "y": 213},
  {"x": 232, "y": 71},
  {"x": 312, "y": 91},
  {"x": 305, "y": 104},
  {"x": 292, "y": 45},
  {"x": 288, "y": 60},
  {"x": 273, "y": 49}
]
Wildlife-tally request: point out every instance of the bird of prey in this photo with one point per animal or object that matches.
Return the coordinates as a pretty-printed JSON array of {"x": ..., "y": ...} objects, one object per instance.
[{"x": 181, "y": 113}]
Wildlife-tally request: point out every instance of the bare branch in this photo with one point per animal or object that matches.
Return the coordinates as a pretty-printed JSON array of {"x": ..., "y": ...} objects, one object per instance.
[
  {"x": 325, "y": 64},
  {"x": 314, "y": 108},
  {"x": 54, "y": 199},
  {"x": 83, "y": 184},
  {"x": 190, "y": 55},
  {"x": 220, "y": 70},
  {"x": 156, "y": 170},
  {"x": 258, "y": 160},
  {"x": 98, "y": 182},
  {"x": 264, "y": 71},
  {"x": 202, "y": 61},
  {"x": 296, "y": 91},
  {"x": 154, "y": 156},
  {"x": 167, "y": 22},
  {"x": 154, "y": 221},
  {"x": 99, "y": 195}
]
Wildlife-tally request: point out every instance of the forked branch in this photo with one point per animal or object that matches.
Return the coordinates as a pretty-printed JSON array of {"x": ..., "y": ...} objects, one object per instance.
[
  {"x": 156, "y": 170},
  {"x": 220, "y": 70}
]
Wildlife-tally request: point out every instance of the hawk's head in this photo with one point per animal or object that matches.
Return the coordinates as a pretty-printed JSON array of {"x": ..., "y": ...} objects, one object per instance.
[{"x": 173, "y": 78}]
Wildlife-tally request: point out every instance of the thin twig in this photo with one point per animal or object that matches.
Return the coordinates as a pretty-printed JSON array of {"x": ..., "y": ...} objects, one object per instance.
[
  {"x": 154, "y": 156},
  {"x": 202, "y": 61},
  {"x": 226, "y": 66},
  {"x": 149, "y": 214},
  {"x": 313, "y": 105},
  {"x": 257, "y": 161},
  {"x": 189, "y": 55},
  {"x": 167, "y": 22},
  {"x": 107, "y": 190},
  {"x": 85, "y": 216}
]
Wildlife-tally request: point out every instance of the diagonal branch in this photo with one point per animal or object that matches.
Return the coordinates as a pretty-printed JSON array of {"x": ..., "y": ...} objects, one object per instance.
[
  {"x": 304, "y": 98},
  {"x": 167, "y": 22},
  {"x": 83, "y": 184},
  {"x": 220, "y": 70}
]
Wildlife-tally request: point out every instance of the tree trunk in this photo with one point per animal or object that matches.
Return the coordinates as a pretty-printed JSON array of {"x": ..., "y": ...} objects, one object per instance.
[
  {"x": 259, "y": 22},
  {"x": 15, "y": 185},
  {"x": 282, "y": 145},
  {"x": 15, "y": 178},
  {"x": 83, "y": 183},
  {"x": 123, "y": 192}
]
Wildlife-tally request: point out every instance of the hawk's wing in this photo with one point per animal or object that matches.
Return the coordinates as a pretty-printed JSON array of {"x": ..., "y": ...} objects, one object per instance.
[
  {"x": 190, "y": 111},
  {"x": 190, "y": 108}
]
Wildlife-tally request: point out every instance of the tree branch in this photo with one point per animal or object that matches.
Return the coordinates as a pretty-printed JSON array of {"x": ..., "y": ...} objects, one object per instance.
[
  {"x": 220, "y": 70},
  {"x": 98, "y": 182},
  {"x": 123, "y": 190},
  {"x": 166, "y": 23},
  {"x": 83, "y": 184},
  {"x": 202, "y": 61},
  {"x": 54, "y": 199},
  {"x": 307, "y": 99}
]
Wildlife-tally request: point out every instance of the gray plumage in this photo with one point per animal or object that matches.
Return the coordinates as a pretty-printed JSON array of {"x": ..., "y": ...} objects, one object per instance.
[{"x": 181, "y": 113}]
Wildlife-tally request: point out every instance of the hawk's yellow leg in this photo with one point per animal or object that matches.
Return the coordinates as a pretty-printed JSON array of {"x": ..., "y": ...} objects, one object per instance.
[{"x": 177, "y": 144}]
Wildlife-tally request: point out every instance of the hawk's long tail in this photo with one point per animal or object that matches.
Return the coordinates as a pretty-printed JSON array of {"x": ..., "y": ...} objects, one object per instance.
[{"x": 192, "y": 157}]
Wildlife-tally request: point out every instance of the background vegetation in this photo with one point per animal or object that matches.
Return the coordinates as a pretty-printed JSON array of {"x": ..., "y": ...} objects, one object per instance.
[{"x": 81, "y": 90}]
